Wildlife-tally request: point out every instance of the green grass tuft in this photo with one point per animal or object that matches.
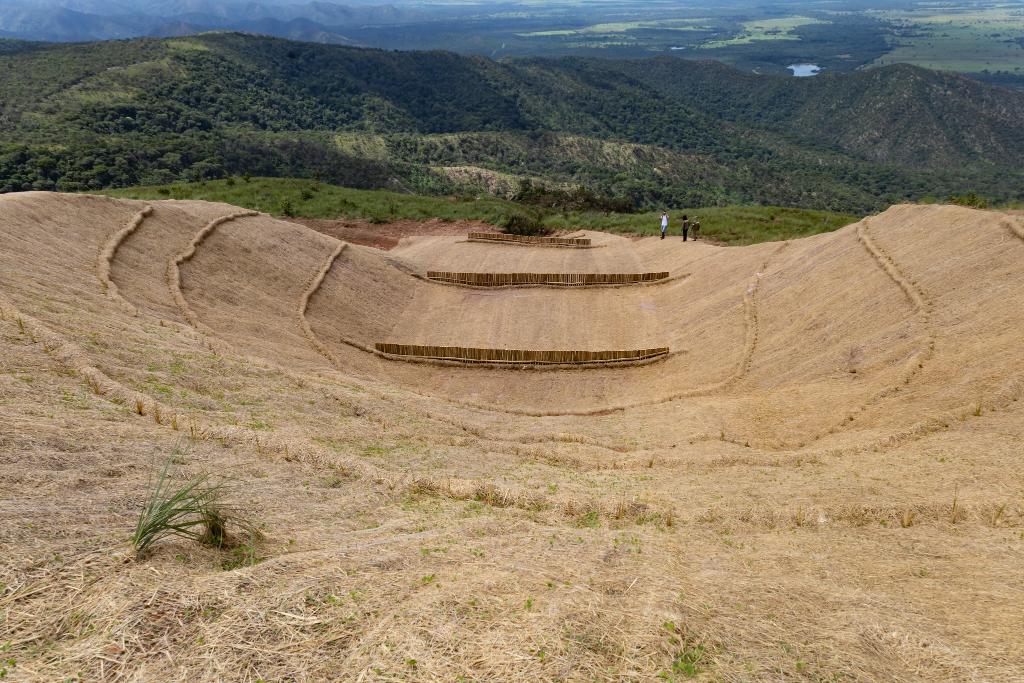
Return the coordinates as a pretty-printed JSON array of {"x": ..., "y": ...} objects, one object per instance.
[{"x": 194, "y": 510}]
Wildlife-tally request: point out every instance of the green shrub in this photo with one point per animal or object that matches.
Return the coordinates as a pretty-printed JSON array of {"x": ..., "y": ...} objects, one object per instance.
[
  {"x": 969, "y": 199},
  {"x": 522, "y": 224}
]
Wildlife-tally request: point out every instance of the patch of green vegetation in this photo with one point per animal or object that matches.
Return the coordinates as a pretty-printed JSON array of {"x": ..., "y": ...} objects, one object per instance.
[
  {"x": 686, "y": 663},
  {"x": 622, "y": 27},
  {"x": 690, "y": 659},
  {"x": 589, "y": 520},
  {"x": 765, "y": 29},
  {"x": 728, "y": 225},
  {"x": 982, "y": 40},
  {"x": 312, "y": 199}
]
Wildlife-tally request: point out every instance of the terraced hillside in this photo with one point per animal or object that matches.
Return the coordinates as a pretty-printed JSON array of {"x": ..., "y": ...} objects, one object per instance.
[{"x": 820, "y": 478}]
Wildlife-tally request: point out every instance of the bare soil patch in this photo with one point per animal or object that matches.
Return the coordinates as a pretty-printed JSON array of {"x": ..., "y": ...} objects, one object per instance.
[{"x": 387, "y": 235}]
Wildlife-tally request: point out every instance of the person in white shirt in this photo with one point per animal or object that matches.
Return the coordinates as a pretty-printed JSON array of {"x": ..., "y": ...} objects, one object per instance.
[{"x": 664, "y": 224}]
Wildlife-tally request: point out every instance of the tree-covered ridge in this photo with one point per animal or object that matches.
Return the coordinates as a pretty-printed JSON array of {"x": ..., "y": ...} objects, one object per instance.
[{"x": 661, "y": 131}]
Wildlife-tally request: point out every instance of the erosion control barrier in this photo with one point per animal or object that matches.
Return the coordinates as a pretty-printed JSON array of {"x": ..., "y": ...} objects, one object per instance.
[
  {"x": 558, "y": 279},
  {"x": 528, "y": 239},
  {"x": 474, "y": 355}
]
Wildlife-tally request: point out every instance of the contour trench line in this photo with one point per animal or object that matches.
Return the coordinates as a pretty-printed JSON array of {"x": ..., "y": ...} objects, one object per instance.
[
  {"x": 922, "y": 304},
  {"x": 922, "y": 308},
  {"x": 105, "y": 260},
  {"x": 1015, "y": 227},
  {"x": 71, "y": 356},
  {"x": 174, "y": 268},
  {"x": 314, "y": 285},
  {"x": 307, "y": 331},
  {"x": 317, "y": 280},
  {"x": 751, "y": 335}
]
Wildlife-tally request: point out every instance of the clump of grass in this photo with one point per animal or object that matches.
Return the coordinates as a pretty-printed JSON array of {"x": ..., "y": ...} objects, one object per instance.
[
  {"x": 908, "y": 518},
  {"x": 242, "y": 555},
  {"x": 691, "y": 657},
  {"x": 588, "y": 520},
  {"x": 333, "y": 481},
  {"x": 997, "y": 514},
  {"x": 194, "y": 510},
  {"x": 956, "y": 510},
  {"x": 490, "y": 494}
]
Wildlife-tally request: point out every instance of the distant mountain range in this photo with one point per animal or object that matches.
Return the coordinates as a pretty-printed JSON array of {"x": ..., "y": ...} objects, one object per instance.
[
  {"x": 658, "y": 131},
  {"x": 86, "y": 20}
]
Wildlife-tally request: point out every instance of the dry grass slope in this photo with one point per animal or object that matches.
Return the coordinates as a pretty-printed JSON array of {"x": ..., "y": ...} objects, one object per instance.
[{"x": 822, "y": 481}]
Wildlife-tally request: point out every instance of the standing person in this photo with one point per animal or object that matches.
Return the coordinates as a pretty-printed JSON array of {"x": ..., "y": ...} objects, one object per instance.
[
  {"x": 696, "y": 228},
  {"x": 686, "y": 227},
  {"x": 664, "y": 223}
]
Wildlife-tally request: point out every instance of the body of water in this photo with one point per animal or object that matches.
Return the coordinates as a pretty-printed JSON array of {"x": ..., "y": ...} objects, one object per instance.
[{"x": 801, "y": 70}]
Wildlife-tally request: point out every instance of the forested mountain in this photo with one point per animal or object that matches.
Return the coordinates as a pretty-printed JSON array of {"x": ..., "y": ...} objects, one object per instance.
[
  {"x": 68, "y": 20},
  {"x": 95, "y": 115},
  {"x": 901, "y": 114}
]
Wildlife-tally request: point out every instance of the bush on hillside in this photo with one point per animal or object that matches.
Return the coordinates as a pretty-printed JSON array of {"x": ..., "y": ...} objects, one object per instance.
[
  {"x": 969, "y": 199},
  {"x": 522, "y": 224},
  {"x": 576, "y": 199}
]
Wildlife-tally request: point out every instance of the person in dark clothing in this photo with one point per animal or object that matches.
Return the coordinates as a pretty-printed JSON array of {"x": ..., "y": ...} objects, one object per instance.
[{"x": 686, "y": 226}]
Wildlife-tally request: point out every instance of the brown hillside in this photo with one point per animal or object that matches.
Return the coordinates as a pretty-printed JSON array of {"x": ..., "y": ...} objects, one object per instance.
[{"x": 821, "y": 480}]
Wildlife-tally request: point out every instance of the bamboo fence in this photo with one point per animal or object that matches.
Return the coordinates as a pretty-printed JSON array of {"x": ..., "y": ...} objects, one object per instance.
[
  {"x": 529, "y": 239},
  {"x": 478, "y": 355},
  {"x": 559, "y": 279}
]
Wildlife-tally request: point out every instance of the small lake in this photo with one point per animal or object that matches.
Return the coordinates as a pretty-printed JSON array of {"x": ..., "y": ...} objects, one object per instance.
[{"x": 802, "y": 70}]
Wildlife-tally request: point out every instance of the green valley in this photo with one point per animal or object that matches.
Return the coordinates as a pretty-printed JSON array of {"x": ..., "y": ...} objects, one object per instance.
[{"x": 648, "y": 134}]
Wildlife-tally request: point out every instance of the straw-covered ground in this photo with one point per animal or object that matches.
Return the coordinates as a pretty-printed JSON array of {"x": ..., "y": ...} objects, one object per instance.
[{"x": 822, "y": 481}]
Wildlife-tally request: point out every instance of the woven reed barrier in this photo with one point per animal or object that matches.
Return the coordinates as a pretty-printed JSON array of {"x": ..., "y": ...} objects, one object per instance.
[
  {"x": 528, "y": 239},
  {"x": 562, "y": 279},
  {"x": 517, "y": 355}
]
